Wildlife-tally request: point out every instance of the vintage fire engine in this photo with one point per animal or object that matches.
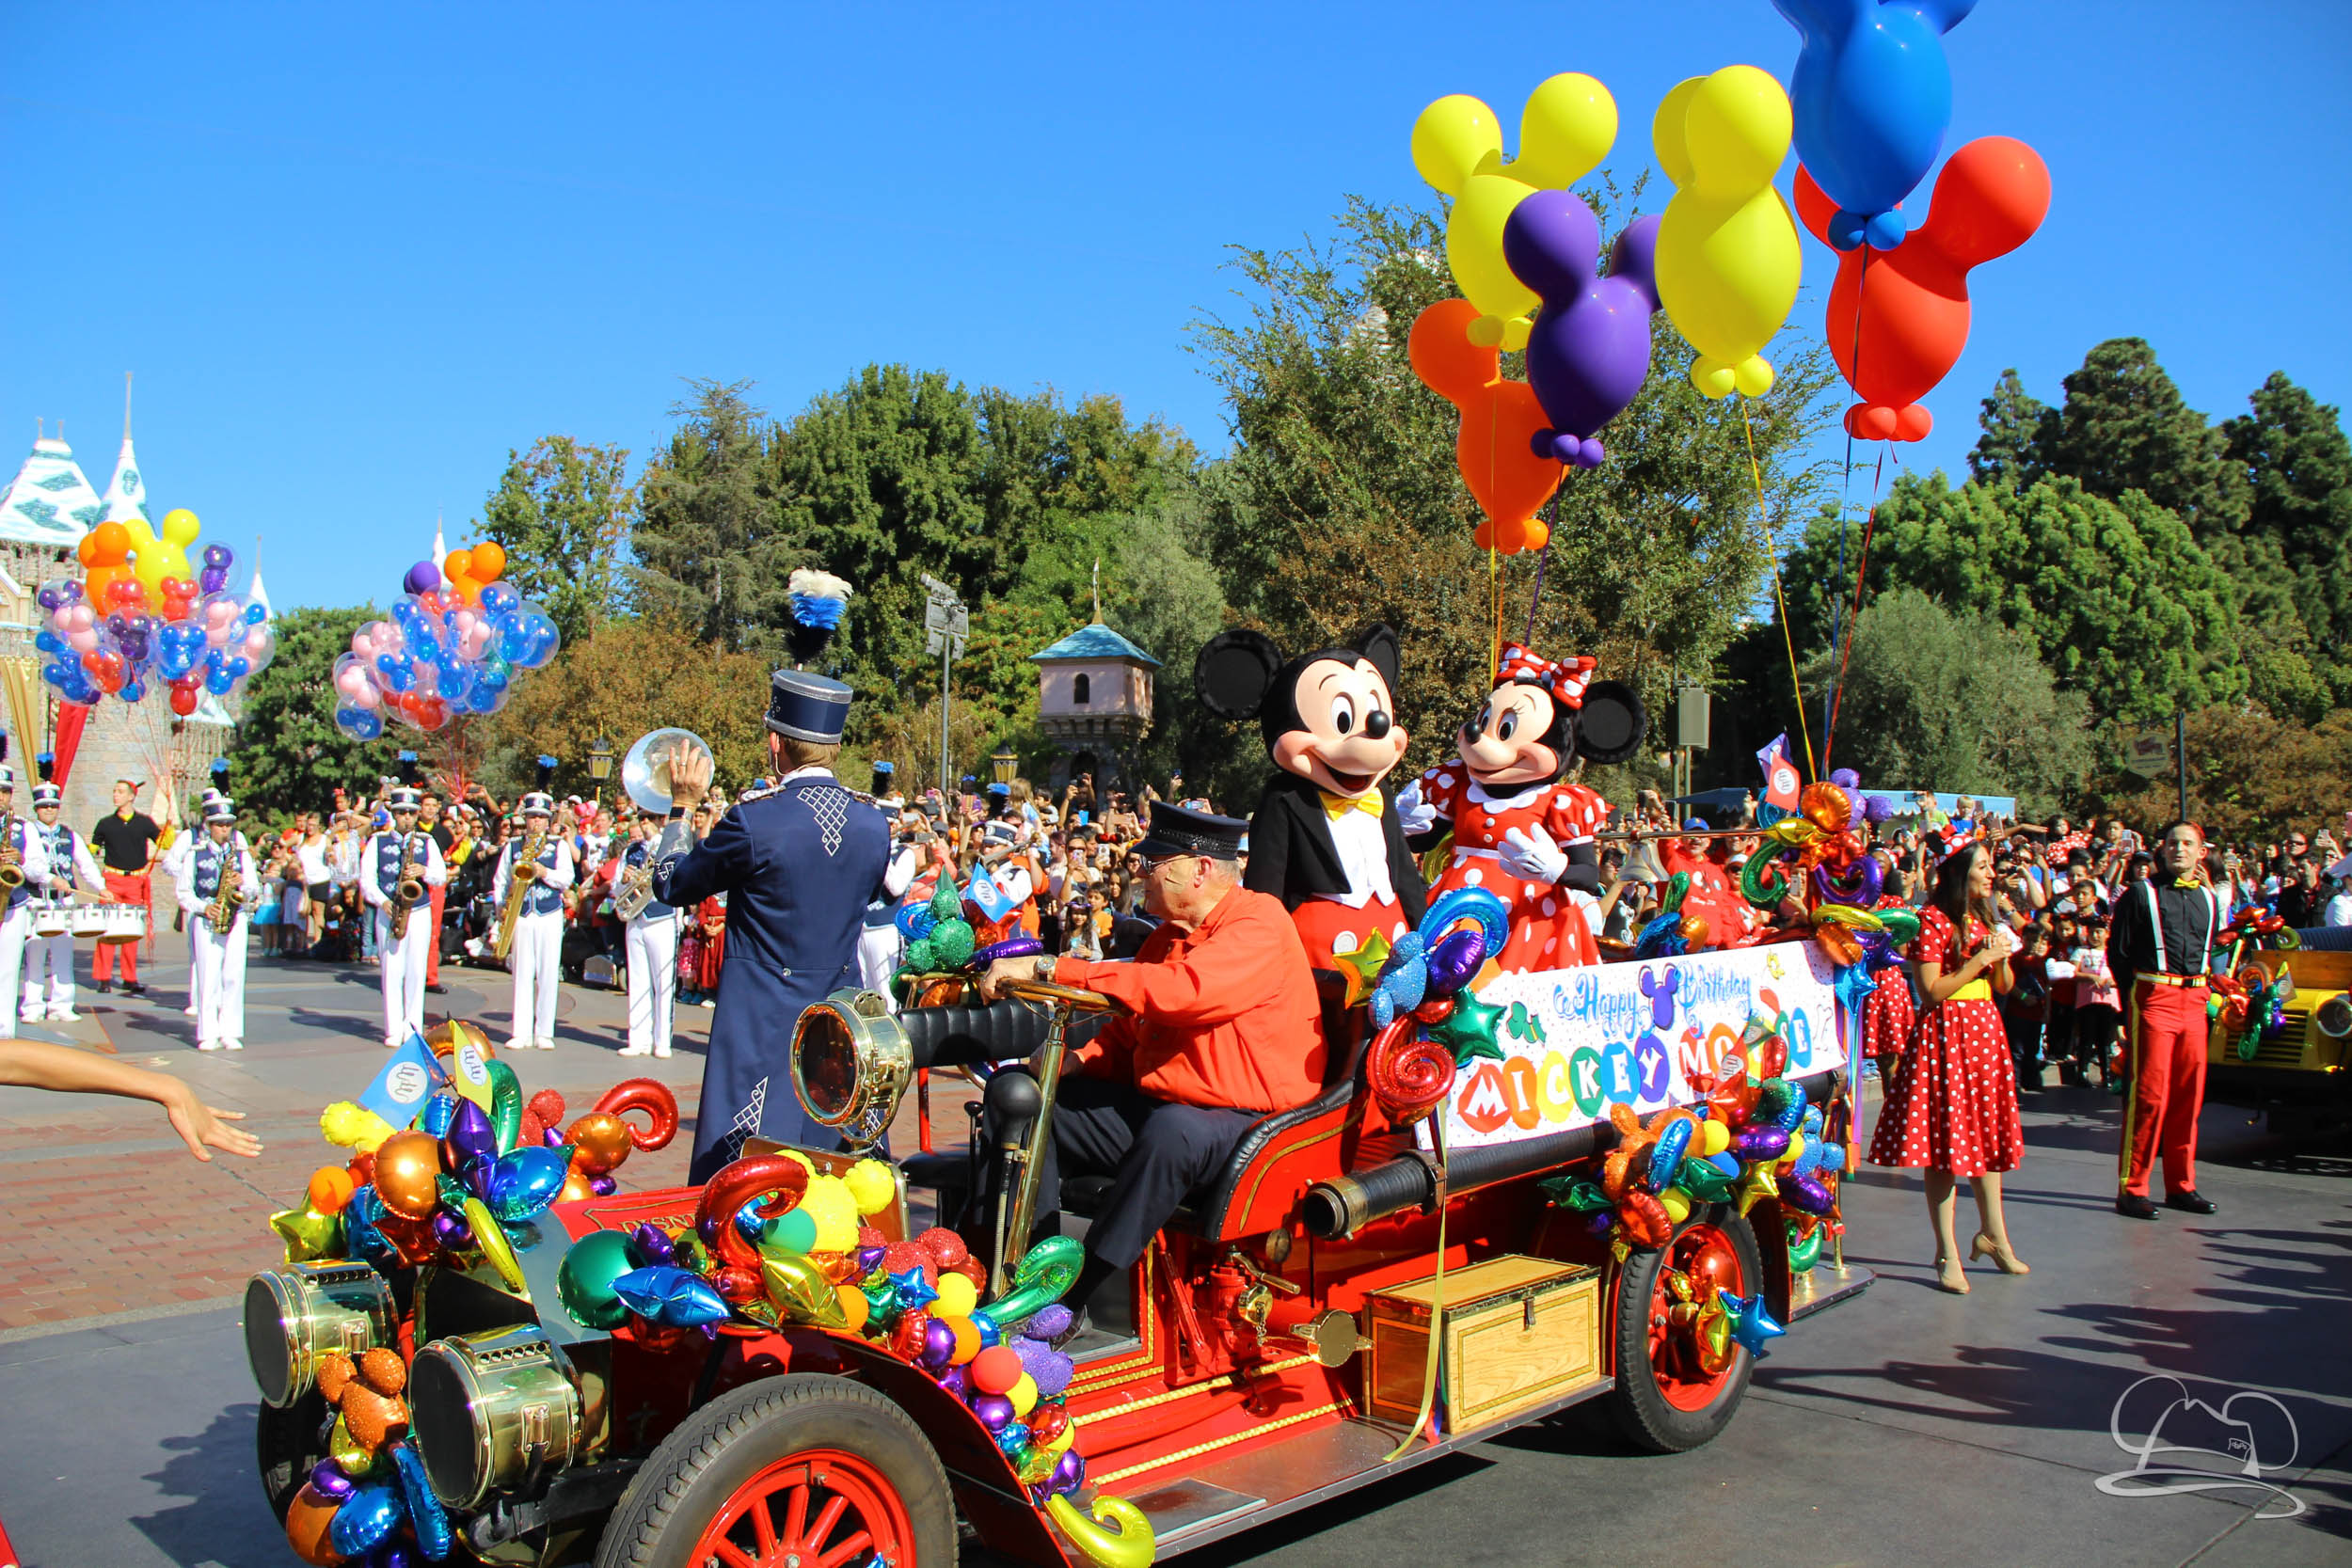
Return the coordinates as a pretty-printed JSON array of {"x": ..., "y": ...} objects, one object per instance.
[{"x": 1335, "y": 1307}]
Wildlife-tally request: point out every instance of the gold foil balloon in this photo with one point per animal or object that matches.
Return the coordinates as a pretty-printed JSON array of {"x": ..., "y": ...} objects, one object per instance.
[
  {"x": 801, "y": 1293},
  {"x": 309, "y": 1235},
  {"x": 600, "y": 1142},
  {"x": 490, "y": 1237},
  {"x": 407, "y": 1174},
  {"x": 1826, "y": 806}
]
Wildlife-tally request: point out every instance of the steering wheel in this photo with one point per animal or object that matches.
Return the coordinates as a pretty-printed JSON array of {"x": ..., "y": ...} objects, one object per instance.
[{"x": 1068, "y": 996}]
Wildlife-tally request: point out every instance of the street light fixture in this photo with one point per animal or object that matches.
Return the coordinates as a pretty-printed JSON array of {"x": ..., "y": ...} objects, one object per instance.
[
  {"x": 600, "y": 759},
  {"x": 1003, "y": 765}
]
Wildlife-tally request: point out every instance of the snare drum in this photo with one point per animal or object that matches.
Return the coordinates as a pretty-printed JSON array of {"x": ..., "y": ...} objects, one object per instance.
[
  {"x": 116, "y": 922},
  {"x": 51, "y": 920}
]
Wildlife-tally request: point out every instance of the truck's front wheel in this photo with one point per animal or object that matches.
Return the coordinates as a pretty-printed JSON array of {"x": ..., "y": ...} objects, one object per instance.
[
  {"x": 790, "y": 1472},
  {"x": 1676, "y": 1384}
]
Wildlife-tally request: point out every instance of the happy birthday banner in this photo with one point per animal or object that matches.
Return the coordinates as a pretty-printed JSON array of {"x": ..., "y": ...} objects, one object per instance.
[{"x": 1577, "y": 1040}]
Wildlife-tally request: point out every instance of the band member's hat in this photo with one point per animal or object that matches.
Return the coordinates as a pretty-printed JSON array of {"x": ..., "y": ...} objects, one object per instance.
[
  {"x": 404, "y": 796},
  {"x": 7, "y": 774},
  {"x": 46, "y": 793},
  {"x": 220, "y": 809},
  {"x": 1181, "y": 831},
  {"x": 807, "y": 707},
  {"x": 540, "y": 801}
]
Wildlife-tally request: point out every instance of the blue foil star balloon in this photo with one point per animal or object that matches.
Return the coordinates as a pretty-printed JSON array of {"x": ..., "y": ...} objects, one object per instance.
[
  {"x": 912, "y": 1290},
  {"x": 1751, "y": 1323}
]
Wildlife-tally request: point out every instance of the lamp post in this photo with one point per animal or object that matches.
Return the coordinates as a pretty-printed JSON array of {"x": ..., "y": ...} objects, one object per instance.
[
  {"x": 599, "y": 765},
  {"x": 1003, "y": 765},
  {"x": 947, "y": 623}
]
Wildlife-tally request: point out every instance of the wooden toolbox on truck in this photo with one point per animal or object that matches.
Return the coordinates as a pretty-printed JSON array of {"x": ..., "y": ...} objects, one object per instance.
[{"x": 1514, "y": 1332}]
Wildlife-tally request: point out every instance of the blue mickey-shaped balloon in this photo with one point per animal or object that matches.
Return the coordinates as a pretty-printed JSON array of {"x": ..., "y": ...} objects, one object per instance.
[
  {"x": 358, "y": 723},
  {"x": 670, "y": 1296},
  {"x": 48, "y": 642},
  {"x": 1872, "y": 98}
]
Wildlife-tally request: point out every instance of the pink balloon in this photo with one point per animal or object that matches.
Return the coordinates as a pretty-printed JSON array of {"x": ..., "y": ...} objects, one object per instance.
[
  {"x": 366, "y": 696},
  {"x": 84, "y": 640},
  {"x": 77, "y": 617},
  {"x": 476, "y": 641},
  {"x": 257, "y": 643}
]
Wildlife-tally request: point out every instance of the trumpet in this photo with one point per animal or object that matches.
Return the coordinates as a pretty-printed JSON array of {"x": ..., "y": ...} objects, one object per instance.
[
  {"x": 518, "y": 881},
  {"x": 408, "y": 892}
]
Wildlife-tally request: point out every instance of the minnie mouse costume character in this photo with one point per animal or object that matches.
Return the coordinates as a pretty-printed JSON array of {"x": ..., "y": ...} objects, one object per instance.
[
  {"x": 1518, "y": 830},
  {"x": 1324, "y": 840}
]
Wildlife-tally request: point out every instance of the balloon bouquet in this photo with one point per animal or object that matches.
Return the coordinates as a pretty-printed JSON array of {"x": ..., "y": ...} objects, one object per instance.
[
  {"x": 457, "y": 636},
  {"x": 138, "y": 617}
]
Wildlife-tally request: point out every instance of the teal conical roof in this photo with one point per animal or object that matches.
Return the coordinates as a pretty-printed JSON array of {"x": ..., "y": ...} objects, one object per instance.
[{"x": 126, "y": 493}]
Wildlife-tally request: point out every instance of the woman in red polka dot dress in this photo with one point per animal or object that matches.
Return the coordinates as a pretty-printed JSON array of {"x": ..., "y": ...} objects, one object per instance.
[
  {"x": 1952, "y": 1106},
  {"x": 1887, "y": 1012},
  {"x": 1519, "y": 830}
]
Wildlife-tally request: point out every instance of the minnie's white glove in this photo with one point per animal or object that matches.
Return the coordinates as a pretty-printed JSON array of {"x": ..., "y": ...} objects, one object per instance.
[
  {"x": 1532, "y": 856},
  {"x": 1415, "y": 815}
]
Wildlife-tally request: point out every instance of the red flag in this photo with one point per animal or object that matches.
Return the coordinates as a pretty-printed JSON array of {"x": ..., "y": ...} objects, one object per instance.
[
  {"x": 64, "y": 736},
  {"x": 1780, "y": 774}
]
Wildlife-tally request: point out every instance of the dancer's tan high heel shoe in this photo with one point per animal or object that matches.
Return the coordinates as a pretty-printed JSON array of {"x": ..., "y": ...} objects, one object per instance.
[
  {"x": 2003, "y": 1259},
  {"x": 1950, "y": 1276}
]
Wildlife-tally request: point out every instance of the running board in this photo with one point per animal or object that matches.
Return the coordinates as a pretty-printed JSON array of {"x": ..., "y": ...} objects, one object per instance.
[
  {"x": 1825, "y": 1285},
  {"x": 1248, "y": 1490}
]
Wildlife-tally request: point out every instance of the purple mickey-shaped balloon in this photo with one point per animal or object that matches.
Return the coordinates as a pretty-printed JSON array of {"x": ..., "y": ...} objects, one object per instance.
[
  {"x": 423, "y": 578},
  {"x": 218, "y": 556},
  {"x": 1070, "y": 1472},
  {"x": 52, "y": 596},
  {"x": 1588, "y": 352},
  {"x": 603, "y": 1186},
  {"x": 449, "y": 1229},
  {"x": 653, "y": 1243},
  {"x": 939, "y": 1345},
  {"x": 957, "y": 1381},
  {"x": 213, "y": 580},
  {"x": 994, "y": 1410},
  {"x": 73, "y": 591},
  {"x": 327, "y": 1479},
  {"x": 1453, "y": 961}
]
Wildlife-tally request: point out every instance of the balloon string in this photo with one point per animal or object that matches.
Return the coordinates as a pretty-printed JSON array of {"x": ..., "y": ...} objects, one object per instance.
[
  {"x": 1780, "y": 597},
  {"x": 1844, "y": 505},
  {"x": 1494, "y": 595},
  {"x": 1542, "y": 561},
  {"x": 1437, "y": 1296},
  {"x": 1861, "y": 575}
]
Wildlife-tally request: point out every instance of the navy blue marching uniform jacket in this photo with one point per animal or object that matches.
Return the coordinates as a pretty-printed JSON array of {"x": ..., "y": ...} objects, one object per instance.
[{"x": 799, "y": 863}]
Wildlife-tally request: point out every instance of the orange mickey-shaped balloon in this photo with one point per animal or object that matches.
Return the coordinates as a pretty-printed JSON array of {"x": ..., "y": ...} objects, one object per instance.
[
  {"x": 1827, "y": 806},
  {"x": 489, "y": 562}
]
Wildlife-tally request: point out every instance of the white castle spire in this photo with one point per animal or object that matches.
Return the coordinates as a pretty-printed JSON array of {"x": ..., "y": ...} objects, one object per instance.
[{"x": 126, "y": 493}]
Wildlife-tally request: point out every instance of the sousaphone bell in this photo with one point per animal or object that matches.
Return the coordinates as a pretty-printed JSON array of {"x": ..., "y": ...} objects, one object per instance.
[{"x": 645, "y": 770}]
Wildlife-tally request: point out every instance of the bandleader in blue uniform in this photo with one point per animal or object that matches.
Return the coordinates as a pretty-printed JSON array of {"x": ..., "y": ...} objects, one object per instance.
[{"x": 799, "y": 862}]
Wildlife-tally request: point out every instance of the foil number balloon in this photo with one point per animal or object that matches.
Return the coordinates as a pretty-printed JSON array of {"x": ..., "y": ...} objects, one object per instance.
[
  {"x": 1566, "y": 129},
  {"x": 1728, "y": 258}
]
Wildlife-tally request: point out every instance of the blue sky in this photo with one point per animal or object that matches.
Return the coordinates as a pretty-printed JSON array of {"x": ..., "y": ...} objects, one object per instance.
[{"x": 356, "y": 253}]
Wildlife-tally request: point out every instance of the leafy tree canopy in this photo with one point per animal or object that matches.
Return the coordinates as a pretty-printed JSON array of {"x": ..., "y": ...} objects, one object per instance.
[{"x": 560, "y": 511}]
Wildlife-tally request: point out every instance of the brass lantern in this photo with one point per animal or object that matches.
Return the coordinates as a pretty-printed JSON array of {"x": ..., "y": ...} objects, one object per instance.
[{"x": 851, "y": 1062}]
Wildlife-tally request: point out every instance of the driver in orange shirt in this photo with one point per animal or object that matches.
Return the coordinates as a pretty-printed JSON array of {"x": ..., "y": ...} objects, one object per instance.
[{"x": 1223, "y": 1030}]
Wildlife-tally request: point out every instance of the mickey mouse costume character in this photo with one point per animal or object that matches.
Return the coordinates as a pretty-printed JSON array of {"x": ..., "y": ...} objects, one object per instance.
[
  {"x": 1519, "y": 830},
  {"x": 1324, "y": 840}
]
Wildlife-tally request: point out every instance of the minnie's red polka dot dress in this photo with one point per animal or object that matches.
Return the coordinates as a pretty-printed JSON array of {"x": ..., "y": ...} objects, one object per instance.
[
  {"x": 1548, "y": 926},
  {"x": 1953, "y": 1104},
  {"x": 1887, "y": 1012}
]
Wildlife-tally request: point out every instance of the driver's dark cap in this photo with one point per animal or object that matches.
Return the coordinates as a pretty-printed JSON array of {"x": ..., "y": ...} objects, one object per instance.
[{"x": 1181, "y": 831}]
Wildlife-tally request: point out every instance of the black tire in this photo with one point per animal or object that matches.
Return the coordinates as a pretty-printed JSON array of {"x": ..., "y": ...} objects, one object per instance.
[
  {"x": 288, "y": 1441},
  {"x": 1640, "y": 1411},
  {"x": 676, "y": 1494}
]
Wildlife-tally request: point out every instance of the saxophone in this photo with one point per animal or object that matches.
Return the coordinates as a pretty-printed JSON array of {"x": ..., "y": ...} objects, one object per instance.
[
  {"x": 517, "y": 885},
  {"x": 221, "y": 913},
  {"x": 11, "y": 858},
  {"x": 407, "y": 890}
]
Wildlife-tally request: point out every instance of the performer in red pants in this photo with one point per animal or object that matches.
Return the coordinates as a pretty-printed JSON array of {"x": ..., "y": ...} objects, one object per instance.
[{"x": 2166, "y": 926}]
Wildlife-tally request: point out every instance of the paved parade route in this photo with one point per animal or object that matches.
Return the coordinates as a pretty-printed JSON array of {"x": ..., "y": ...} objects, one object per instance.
[{"x": 1904, "y": 1427}]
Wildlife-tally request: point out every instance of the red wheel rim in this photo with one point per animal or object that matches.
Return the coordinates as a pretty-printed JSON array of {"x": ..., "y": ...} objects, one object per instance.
[
  {"x": 821, "y": 1507},
  {"x": 1704, "y": 1256}
]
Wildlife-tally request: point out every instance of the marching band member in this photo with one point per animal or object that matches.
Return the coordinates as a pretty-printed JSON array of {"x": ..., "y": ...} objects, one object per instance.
[
  {"x": 880, "y": 944},
  {"x": 23, "y": 839},
  {"x": 539, "y": 928},
  {"x": 49, "y": 960},
  {"x": 220, "y": 855},
  {"x": 380, "y": 864},
  {"x": 128, "y": 842},
  {"x": 652, "y": 943}
]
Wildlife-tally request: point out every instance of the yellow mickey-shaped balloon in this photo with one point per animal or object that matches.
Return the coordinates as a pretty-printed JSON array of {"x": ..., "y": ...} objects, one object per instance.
[
  {"x": 1728, "y": 258},
  {"x": 1565, "y": 130},
  {"x": 829, "y": 1203},
  {"x": 958, "y": 1296},
  {"x": 154, "y": 558},
  {"x": 872, "y": 1185}
]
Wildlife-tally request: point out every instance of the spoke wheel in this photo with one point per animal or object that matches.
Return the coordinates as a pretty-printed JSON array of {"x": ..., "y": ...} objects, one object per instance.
[
  {"x": 820, "y": 1509},
  {"x": 800, "y": 1471},
  {"x": 1678, "y": 1381}
]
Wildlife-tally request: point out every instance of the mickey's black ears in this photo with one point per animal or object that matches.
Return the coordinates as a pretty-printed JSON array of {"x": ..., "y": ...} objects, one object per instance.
[
  {"x": 1377, "y": 642},
  {"x": 1610, "y": 724},
  {"x": 1234, "y": 672}
]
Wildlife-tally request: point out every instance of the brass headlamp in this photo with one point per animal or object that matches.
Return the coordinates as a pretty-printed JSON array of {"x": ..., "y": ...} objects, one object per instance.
[
  {"x": 296, "y": 1315},
  {"x": 851, "y": 1062},
  {"x": 489, "y": 1408}
]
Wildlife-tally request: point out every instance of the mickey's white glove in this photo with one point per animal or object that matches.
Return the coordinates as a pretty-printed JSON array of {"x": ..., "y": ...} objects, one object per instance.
[
  {"x": 1532, "y": 857},
  {"x": 1415, "y": 815}
]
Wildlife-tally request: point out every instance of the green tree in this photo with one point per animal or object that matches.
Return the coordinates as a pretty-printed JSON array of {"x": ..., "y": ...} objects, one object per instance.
[
  {"x": 1935, "y": 699},
  {"x": 704, "y": 539},
  {"x": 2014, "y": 424},
  {"x": 2296, "y": 541},
  {"x": 2127, "y": 607},
  {"x": 289, "y": 756},
  {"x": 2125, "y": 426},
  {"x": 1341, "y": 502},
  {"x": 560, "y": 511}
]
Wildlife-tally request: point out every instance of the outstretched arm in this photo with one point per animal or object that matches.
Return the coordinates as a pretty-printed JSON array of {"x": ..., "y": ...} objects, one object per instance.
[{"x": 37, "y": 1064}]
